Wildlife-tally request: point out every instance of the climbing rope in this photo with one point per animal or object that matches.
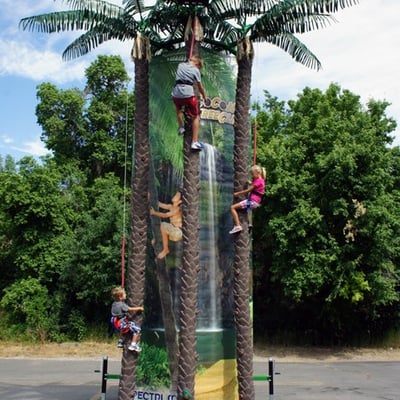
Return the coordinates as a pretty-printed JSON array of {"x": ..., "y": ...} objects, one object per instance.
[
  {"x": 193, "y": 36},
  {"x": 123, "y": 241},
  {"x": 255, "y": 142}
]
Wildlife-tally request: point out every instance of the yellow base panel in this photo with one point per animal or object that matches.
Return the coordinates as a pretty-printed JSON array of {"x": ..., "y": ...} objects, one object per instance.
[{"x": 219, "y": 382}]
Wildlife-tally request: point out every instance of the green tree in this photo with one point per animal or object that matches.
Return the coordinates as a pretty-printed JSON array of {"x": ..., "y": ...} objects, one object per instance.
[
  {"x": 35, "y": 227},
  {"x": 32, "y": 207},
  {"x": 27, "y": 302},
  {"x": 332, "y": 224},
  {"x": 110, "y": 115},
  {"x": 93, "y": 262},
  {"x": 90, "y": 128},
  {"x": 66, "y": 236},
  {"x": 61, "y": 115},
  {"x": 10, "y": 164}
]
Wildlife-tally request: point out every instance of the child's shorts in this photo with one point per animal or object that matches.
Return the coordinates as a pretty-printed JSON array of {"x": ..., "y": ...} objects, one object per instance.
[
  {"x": 249, "y": 204},
  {"x": 174, "y": 233},
  {"x": 124, "y": 325},
  {"x": 191, "y": 105}
]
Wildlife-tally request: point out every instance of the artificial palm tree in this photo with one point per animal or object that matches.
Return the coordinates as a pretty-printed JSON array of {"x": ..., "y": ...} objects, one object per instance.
[
  {"x": 104, "y": 21},
  {"x": 236, "y": 26},
  {"x": 190, "y": 233}
]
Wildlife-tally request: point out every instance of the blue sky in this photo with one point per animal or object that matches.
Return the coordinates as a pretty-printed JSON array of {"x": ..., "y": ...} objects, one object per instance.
[{"x": 359, "y": 52}]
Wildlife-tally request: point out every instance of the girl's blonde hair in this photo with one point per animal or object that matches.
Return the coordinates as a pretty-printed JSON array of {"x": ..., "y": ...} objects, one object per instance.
[
  {"x": 117, "y": 292},
  {"x": 259, "y": 170}
]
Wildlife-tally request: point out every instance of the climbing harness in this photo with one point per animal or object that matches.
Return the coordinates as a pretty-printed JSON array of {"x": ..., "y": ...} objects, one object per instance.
[{"x": 116, "y": 324}]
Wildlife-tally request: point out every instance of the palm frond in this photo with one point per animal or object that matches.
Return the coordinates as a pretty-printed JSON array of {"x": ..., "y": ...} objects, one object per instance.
[
  {"x": 291, "y": 22},
  {"x": 295, "y": 48},
  {"x": 321, "y": 6},
  {"x": 96, "y": 6},
  {"x": 135, "y": 6},
  {"x": 168, "y": 19},
  {"x": 308, "y": 7},
  {"x": 82, "y": 19},
  {"x": 239, "y": 10},
  {"x": 224, "y": 22},
  {"x": 167, "y": 144},
  {"x": 218, "y": 74},
  {"x": 219, "y": 47},
  {"x": 224, "y": 33},
  {"x": 138, "y": 8},
  {"x": 93, "y": 38}
]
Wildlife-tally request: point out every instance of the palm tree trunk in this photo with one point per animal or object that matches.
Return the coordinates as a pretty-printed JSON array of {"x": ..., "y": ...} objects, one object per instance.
[
  {"x": 165, "y": 292},
  {"x": 190, "y": 268},
  {"x": 241, "y": 265},
  {"x": 139, "y": 209},
  {"x": 169, "y": 321},
  {"x": 190, "y": 252}
]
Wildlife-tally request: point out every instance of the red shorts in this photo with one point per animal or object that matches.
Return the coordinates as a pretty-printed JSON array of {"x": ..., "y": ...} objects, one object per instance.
[{"x": 191, "y": 105}]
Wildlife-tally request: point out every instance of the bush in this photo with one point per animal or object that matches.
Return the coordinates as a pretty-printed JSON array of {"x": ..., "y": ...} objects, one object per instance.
[
  {"x": 76, "y": 326},
  {"x": 152, "y": 369},
  {"x": 26, "y": 303}
]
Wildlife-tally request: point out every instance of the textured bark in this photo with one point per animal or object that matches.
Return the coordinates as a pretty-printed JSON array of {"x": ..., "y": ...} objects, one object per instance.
[
  {"x": 241, "y": 265},
  {"x": 190, "y": 257},
  {"x": 139, "y": 213},
  {"x": 190, "y": 268},
  {"x": 170, "y": 331},
  {"x": 165, "y": 292}
]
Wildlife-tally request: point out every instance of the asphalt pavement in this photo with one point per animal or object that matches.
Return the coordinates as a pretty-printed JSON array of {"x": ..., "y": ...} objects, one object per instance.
[{"x": 72, "y": 379}]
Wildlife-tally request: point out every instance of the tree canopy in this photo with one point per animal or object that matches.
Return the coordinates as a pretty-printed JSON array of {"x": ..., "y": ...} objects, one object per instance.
[
  {"x": 331, "y": 225},
  {"x": 325, "y": 243}
]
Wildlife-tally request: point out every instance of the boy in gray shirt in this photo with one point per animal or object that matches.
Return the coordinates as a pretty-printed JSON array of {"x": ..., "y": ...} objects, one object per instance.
[{"x": 183, "y": 95}]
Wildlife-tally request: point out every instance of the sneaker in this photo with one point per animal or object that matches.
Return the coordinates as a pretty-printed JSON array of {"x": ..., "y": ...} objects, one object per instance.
[
  {"x": 120, "y": 344},
  {"x": 197, "y": 146},
  {"x": 134, "y": 347},
  {"x": 181, "y": 130},
  {"x": 236, "y": 229}
]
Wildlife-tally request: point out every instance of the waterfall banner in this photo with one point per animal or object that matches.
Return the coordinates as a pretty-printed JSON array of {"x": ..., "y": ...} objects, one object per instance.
[{"x": 215, "y": 326}]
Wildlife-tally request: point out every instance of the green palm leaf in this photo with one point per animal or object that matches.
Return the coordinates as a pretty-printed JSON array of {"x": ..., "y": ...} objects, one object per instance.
[
  {"x": 296, "y": 49},
  {"x": 85, "y": 43},
  {"x": 84, "y": 15}
]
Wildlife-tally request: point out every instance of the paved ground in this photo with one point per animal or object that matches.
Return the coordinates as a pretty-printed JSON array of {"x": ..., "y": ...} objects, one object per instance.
[
  {"x": 72, "y": 379},
  {"x": 339, "y": 380}
]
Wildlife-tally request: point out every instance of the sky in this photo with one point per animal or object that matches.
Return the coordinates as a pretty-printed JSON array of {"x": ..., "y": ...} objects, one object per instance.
[{"x": 358, "y": 51}]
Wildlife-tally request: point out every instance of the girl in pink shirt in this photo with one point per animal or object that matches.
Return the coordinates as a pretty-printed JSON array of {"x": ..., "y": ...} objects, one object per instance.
[{"x": 254, "y": 199}]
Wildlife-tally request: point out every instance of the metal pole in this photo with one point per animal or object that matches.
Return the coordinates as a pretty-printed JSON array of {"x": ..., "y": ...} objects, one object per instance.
[
  {"x": 104, "y": 369},
  {"x": 271, "y": 378}
]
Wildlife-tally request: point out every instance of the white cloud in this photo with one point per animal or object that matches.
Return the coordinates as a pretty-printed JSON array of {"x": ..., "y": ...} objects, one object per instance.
[
  {"x": 36, "y": 55},
  {"x": 28, "y": 62},
  {"x": 33, "y": 148},
  {"x": 6, "y": 139},
  {"x": 359, "y": 52}
]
